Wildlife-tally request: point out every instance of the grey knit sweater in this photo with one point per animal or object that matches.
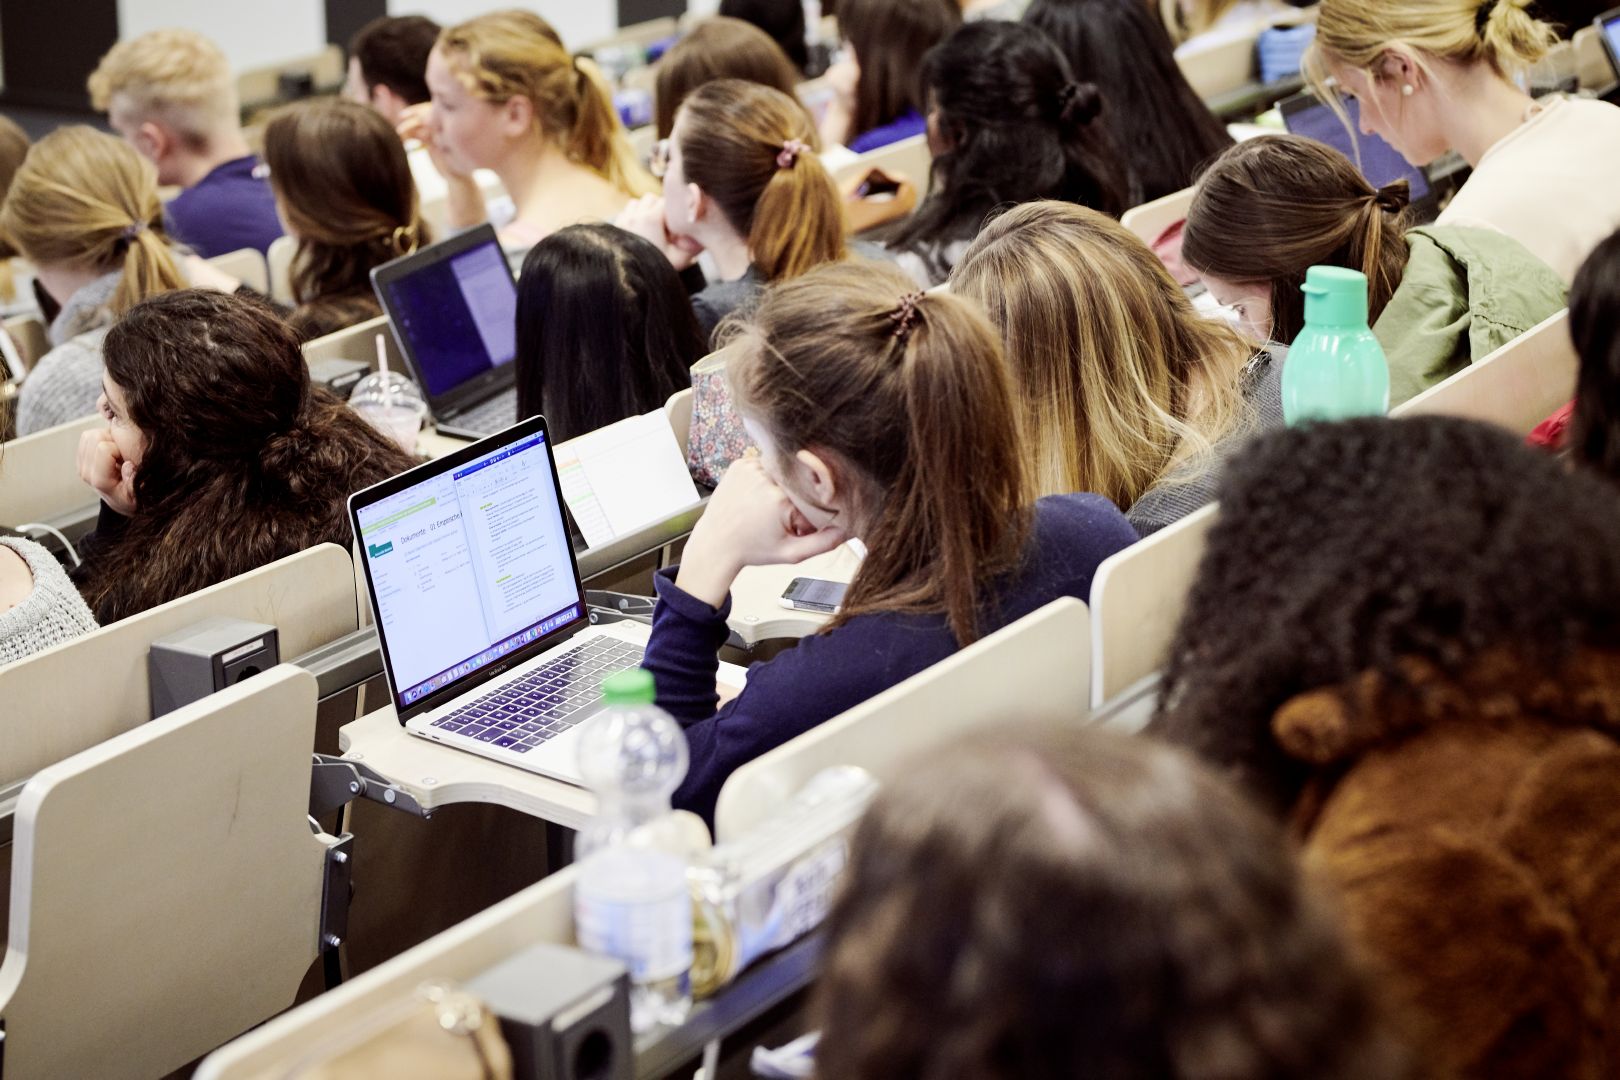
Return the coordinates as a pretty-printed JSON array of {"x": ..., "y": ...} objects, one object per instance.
[
  {"x": 66, "y": 382},
  {"x": 51, "y": 614}
]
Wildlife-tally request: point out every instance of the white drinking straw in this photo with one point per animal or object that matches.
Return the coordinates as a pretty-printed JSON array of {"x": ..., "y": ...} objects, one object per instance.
[{"x": 382, "y": 366}]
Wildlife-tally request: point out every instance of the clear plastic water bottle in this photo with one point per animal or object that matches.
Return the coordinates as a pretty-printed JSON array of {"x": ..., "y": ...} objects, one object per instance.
[
  {"x": 631, "y": 901},
  {"x": 1335, "y": 368}
]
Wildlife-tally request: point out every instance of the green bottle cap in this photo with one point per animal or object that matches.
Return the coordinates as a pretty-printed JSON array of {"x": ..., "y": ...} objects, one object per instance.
[
  {"x": 1335, "y": 296},
  {"x": 631, "y": 687}
]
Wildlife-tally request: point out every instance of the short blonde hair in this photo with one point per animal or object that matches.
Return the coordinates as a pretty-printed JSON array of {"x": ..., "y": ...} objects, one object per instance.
[
  {"x": 177, "y": 77},
  {"x": 1119, "y": 382},
  {"x": 508, "y": 54}
]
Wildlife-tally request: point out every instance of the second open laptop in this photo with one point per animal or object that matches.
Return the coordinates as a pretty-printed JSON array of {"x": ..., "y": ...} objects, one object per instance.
[
  {"x": 486, "y": 641},
  {"x": 453, "y": 310},
  {"x": 1306, "y": 114}
]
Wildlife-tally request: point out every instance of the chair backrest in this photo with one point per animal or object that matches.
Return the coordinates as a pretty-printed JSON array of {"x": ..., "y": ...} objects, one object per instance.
[
  {"x": 1149, "y": 220},
  {"x": 679, "y": 410},
  {"x": 1221, "y": 67},
  {"x": 1592, "y": 68},
  {"x": 246, "y": 265},
  {"x": 68, "y": 698},
  {"x": 542, "y": 913},
  {"x": 1516, "y": 387},
  {"x": 33, "y": 341},
  {"x": 262, "y": 86},
  {"x": 1137, "y": 597},
  {"x": 166, "y": 887},
  {"x": 39, "y": 473},
  {"x": 1036, "y": 668},
  {"x": 910, "y": 158},
  {"x": 358, "y": 342},
  {"x": 279, "y": 258}
]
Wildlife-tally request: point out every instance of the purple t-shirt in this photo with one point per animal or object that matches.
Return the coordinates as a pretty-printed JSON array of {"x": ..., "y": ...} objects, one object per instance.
[
  {"x": 904, "y": 126},
  {"x": 226, "y": 210}
]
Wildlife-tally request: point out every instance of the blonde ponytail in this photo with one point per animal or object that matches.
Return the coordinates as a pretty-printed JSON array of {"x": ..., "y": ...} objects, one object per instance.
[
  {"x": 149, "y": 268},
  {"x": 598, "y": 138},
  {"x": 752, "y": 150}
]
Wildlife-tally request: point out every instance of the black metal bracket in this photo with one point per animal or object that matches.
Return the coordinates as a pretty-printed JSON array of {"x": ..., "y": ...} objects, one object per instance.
[{"x": 335, "y": 782}]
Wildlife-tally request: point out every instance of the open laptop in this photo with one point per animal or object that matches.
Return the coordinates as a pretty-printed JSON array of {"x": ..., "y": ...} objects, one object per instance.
[
  {"x": 486, "y": 640},
  {"x": 1608, "y": 27},
  {"x": 1305, "y": 114},
  {"x": 453, "y": 308}
]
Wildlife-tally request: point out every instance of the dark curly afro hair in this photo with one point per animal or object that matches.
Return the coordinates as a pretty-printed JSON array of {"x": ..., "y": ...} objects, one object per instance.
[{"x": 1343, "y": 548}]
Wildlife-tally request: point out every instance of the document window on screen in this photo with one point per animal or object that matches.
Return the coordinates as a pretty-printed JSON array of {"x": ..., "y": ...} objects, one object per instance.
[{"x": 468, "y": 566}]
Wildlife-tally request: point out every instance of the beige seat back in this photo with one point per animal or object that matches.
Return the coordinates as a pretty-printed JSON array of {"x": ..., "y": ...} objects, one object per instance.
[
  {"x": 1137, "y": 598},
  {"x": 166, "y": 888},
  {"x": 246, "y": 265},
  {"x": 261, "y": 86},
  {"x": 39, "y": 474},
  {"x": 279, "y": 260},
  {"x": 1035, "y": 669},
  {"x": 542, "y": 913},
  {"x": 81, "y": 693},
  {"x": 679, "y": 410},
  {"x": 1149, "y": 220},
  {"x": 1221, "y": 67},
  {"x": 32, "y": 338},
  {"x": 358, "y": 342},
  {"x": 1515, "y": 387},
  {"x": 1593, "y": 69},
  {"x": 909, "y": 158}
]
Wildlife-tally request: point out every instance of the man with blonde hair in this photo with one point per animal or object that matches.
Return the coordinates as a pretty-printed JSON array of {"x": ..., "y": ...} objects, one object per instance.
[{"x": 171, "y": 95}]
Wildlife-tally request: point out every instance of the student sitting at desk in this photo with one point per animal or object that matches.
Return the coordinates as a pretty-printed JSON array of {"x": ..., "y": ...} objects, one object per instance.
[
  {"x": 877, "y": 97},
  {"x": 343, "y": 186},
  {"x": 1068, "y": 904},
  {"x": 218, "y": 456},
  {"x": 1435, "y": 77},
  {"x": 881, "y": 414},
  {"x": 1439, "y": 297},
  {"x": 84, "y": 210},
  {"x": 1158, "y": 125},
  {"x": 604, "y": 330},
  {"x": 39, "y": 607},
  {"x": 1122, "y": 388},
  {"x": 1008, "y": 124},
  {"x": 1405, "y": 635},
  {"x": 508, "y": 97}
]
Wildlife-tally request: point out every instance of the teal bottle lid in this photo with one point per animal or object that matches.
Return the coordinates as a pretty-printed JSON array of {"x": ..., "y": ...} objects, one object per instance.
[
  {"x": 1335, "y": 296},
  {"x": 630, "y": 687}
]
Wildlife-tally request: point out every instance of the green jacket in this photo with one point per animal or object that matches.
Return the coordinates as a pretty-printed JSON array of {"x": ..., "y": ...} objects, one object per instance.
[{"x": 1465, "y": 293}]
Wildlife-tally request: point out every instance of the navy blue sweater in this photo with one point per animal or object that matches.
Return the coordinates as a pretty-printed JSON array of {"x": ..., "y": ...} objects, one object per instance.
[{"x": 828, "y": 673}]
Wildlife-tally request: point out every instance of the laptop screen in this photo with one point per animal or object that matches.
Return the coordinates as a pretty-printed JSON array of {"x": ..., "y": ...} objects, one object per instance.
[
  {"x": 468, "y": 565},
  {"x": 1380, "y": 163},
  {"x": 1611, "y": 37},
  {"x": 457, "y": 313}
]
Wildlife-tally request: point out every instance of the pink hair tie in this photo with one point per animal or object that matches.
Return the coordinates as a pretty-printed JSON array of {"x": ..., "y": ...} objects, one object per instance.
[
  {"x": 904, "y": 316},
  {"x": 790, "y": 153}
]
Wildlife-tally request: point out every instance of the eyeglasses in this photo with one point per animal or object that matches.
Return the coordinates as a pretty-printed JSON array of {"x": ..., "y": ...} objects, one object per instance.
[{"x": 658, "y": 163}]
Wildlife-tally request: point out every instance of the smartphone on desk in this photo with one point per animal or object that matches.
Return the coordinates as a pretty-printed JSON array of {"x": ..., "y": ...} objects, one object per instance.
[{"x": 814, "y": 594}]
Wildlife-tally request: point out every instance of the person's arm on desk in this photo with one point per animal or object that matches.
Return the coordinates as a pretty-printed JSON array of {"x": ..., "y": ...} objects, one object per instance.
[{"x": 749, "y": 522}]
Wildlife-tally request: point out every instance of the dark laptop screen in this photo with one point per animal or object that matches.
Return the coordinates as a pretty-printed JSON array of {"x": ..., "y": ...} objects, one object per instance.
[
  {"x": 1380, "y": 163},
  {"x": 459, "y": 315}
]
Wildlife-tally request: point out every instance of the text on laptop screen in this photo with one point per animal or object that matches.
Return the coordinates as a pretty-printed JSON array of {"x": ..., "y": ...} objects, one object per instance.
[
  {"x": 459, "y": 314},
  {"x": 468, "y": 566},
  {"x": 1380, "y": 163}
]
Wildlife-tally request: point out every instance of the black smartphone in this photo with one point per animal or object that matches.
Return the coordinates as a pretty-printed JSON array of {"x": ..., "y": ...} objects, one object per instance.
[{"x": 814, "y": 594}]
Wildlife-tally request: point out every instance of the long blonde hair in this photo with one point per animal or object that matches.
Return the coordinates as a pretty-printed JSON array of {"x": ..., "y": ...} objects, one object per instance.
[
  {"x": 1118, "y": 380},
  {"x": 86, "y": 199},
  {"x": 508, "y": 54},
  {"x": 1356, "y": 33}
]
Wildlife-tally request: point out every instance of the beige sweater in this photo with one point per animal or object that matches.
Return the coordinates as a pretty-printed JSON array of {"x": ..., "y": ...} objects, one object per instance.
[{"x": 1553, "y": 184}]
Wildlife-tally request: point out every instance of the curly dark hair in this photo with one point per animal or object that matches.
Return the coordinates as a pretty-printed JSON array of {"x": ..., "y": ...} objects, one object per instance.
[
  {"x": 1062, "y": 902},
  {"x": 1346, "y": 548}
]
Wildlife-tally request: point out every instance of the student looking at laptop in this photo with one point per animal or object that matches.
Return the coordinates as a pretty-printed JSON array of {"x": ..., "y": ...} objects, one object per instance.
[
  {"x": 218, "y": 456},
  {"x": 1439, "y": 297},
  {"x": 604, "y": 330},
  {"x": 1433, "y": 77},
  {"x": 508, "y": 97},
  {"x": 885, "y": 415}
]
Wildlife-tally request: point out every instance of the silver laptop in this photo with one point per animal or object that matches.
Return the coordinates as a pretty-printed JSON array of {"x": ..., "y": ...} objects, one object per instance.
[
  {"x": 486, "y": 641},
  {"x": 453, "y": 310}
]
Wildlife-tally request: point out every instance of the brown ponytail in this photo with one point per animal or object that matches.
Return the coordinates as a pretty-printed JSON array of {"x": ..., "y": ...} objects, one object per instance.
[
  {"x": 1272, "y": 207},
  {"x": 752, "y": 150},
  {"x": 86, "y": 198},
  {"x": 911, "y": 391}
]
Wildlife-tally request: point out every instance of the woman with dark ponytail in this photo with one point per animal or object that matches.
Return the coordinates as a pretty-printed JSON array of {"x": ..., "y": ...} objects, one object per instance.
[
  {"x": 1439, "y": 297},
  {"x": 219, "y": 455},
  {"x": 1007, "y": 124},
  {"x": 884, "y": 415}
]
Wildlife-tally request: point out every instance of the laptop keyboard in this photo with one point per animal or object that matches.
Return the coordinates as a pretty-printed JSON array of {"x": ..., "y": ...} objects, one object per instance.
[
  {"x": 557, "y": 695},
  {"x": 488, "y": 417}
]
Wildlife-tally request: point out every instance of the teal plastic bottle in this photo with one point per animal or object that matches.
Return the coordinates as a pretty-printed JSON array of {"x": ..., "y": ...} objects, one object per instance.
[{"x": 1335, "y": 369}]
